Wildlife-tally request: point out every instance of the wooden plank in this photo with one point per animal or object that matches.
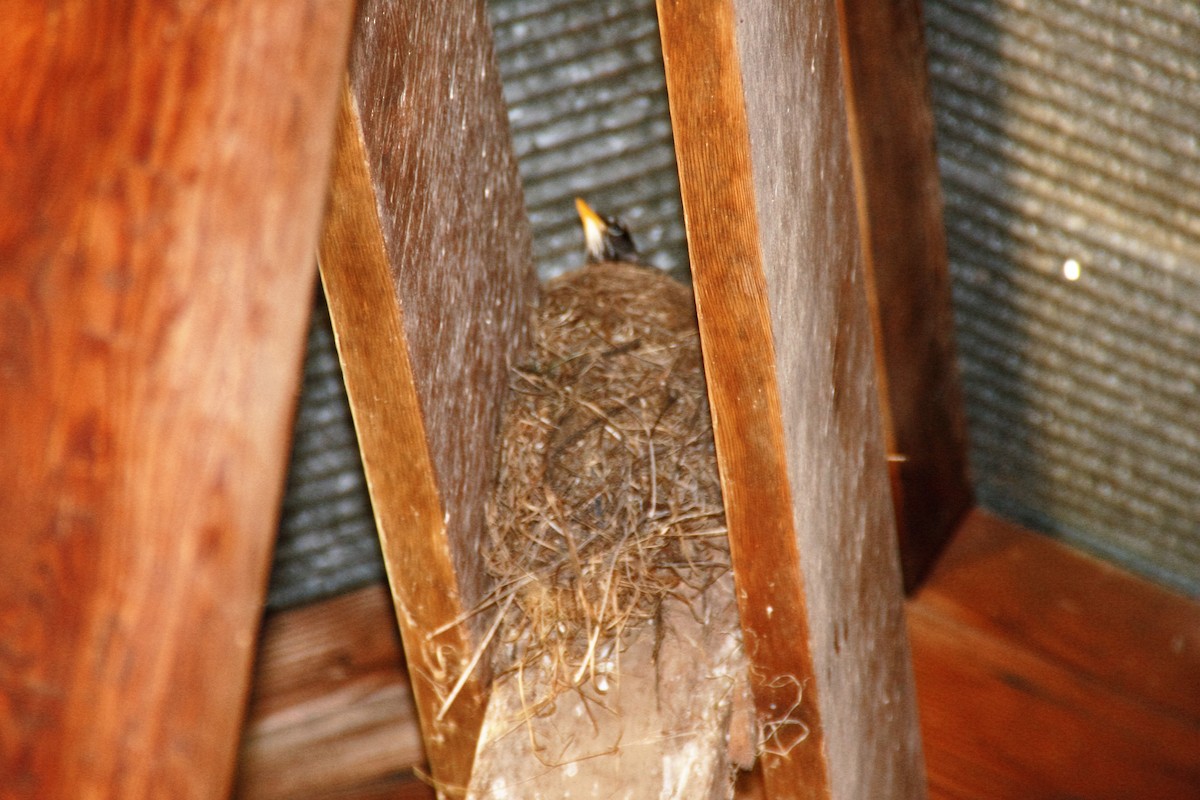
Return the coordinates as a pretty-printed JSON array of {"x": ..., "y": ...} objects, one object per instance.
[
  {"x": 757, "y": 108},
  {"x": 164, "y": 171},
  {"x": 381, "y": 386},
  {"x": 405, "y": 786},
  {"x": 1025, "y": 650},
  {"x": 1000, "y": 577},
  {"x": 426, "y": 263},
  {"x": 1045, "y": 673},
  {"x": 332, "y": 710},
  {"x": 322, "y": 671},
  {"x": 666, "y": 725},
  {"x": 908, "y": 282}
]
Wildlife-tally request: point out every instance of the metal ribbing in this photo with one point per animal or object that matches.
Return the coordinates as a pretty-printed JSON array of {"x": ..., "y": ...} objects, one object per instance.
[
  {"x": 588, "y": 111},
  {"x": 327, "y": 543},
  {"x": 587, "y": 107},
  {"x": 1070, "y": 131}
]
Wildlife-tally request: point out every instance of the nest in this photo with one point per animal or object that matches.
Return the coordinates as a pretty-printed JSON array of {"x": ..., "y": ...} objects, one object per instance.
[{"x": 608, "y": 500}]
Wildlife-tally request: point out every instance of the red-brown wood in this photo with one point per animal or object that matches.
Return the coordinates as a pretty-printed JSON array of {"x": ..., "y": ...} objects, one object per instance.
[
  {"x": 900, "y": 210},
  {"x": 427, "y": 269},
  {"x": 1045, "y": 673},
  {"x": 332, "y": 708},
  {"x": 1027, "y": 652},
  {"x": 403, "y": 786},
  {"x": 164, "y": 169},
  {"x": 758, "y": 113}
]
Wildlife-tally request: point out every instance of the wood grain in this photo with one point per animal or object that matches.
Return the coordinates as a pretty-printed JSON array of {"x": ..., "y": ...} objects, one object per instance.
[
  {"x": 660, "y": 729},
  {"x": 164, "y": 168},
  {"x": 426, "y": 263},
  {"x": 390, "y": 426},
  {"x": 1045, "y": 673},
  {"x": 453, "y": 219},
  {"x": 900, "y": 211},
  {"x": 1037, "y": 666},
  {"x": 332, "y": 709},
  {"x": 402, "y": 786},
  {"x": 1099, "y": 621},
  {"x": 757, "y": 108}
]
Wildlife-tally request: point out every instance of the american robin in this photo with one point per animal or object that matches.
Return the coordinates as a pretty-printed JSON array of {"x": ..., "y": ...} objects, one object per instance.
[
  {"x": 606, "y": 238},
  {"x": 614, "y": 291}
]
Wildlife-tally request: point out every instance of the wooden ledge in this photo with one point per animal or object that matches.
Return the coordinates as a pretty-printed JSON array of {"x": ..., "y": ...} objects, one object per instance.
[{"x": 1041, "y": 672}]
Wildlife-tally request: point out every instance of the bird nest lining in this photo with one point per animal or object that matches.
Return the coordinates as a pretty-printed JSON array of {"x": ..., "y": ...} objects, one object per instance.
[{"x": 608, "y": 499}]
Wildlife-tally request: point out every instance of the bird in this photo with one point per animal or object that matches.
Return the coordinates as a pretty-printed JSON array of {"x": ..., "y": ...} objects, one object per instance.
[{"x": 606, "y": 239}]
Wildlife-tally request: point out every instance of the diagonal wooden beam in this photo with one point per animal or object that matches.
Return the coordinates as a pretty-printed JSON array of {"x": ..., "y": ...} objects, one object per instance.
[
  {"x": 164, "y": 170},
  {"x": 757, "y": 108},
  {"x": 908, "y": 278},
  {"x": 428, "y": 273}
]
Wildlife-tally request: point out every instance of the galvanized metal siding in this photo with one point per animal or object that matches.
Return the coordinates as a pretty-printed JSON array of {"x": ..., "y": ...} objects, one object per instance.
[
  {"x": 327, "y": 542},
  {"x": 587, "y": 104},
  {"x": 588, "y": 109},
  {"x": 1069, "y": 134}
]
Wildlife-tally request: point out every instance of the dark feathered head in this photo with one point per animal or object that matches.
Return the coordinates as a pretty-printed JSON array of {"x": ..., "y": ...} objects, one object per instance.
[{"x": 607, "y": 238}]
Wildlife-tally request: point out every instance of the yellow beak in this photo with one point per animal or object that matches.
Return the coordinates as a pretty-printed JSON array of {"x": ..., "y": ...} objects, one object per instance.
[{"x": 593, "y": 228}]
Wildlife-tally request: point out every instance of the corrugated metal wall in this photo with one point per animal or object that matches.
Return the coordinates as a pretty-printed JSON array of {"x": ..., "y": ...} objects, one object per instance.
[
  {"x": 1068, "y": 132},
  {"x": 587, "y": 103},
  {"x": 327, "y": 541},
  {"x": 1069, "y": 138}
]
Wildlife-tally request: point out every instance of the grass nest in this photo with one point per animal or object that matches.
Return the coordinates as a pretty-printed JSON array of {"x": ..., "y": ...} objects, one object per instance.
[{"x": 608, "y": 500}]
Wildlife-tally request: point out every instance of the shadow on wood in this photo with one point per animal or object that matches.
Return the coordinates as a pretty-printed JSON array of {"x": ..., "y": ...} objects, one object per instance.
[{"x": 757, "y": 106}]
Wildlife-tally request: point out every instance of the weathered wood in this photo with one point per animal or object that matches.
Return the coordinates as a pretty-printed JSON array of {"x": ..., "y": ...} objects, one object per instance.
[
  {"x": 377, "y": 366},
  {"x": 396, "y": 787},
  {"x": 660, "y": 729},
  {"x": 757, "y": 107},
  {"x": 1021, "y": 644},
  {"x": 1046, "y": 673},
  {"x": 332, "y": 709},
  {"x": 164, "y": 169},
  {"x": 1104, "y": 624},
  {"x": 908, "y": 282},
  {"x": 426, "y": 263}
]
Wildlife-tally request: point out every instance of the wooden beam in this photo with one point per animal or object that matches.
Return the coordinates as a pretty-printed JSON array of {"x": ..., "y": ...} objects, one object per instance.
[
  {"x": 674, "y": 721},
  {"x": 900, "y": 211},
  {"x": 332, "y": 708},
  {"x": 1046, "y": 673},
  {"x": 427, "y": 269},
  {"x": 1023, "y": 643},
  {"x": 757, "y": 107},
  {"x": 164, "y": 170}
]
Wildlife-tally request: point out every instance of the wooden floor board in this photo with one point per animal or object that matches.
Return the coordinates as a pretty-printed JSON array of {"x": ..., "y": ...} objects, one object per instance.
[
  {"x": 1041, "y": 673},
  {"x": 331, "y": 708},
  {"x": 1118, "y": 629}
]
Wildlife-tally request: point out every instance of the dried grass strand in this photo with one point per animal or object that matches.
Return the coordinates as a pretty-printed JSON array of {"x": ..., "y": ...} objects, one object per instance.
[{"x": 607, "y": 498}]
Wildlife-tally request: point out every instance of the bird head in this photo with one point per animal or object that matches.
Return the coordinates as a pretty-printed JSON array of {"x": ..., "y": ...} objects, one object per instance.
[{"x": 607, "y": 238}]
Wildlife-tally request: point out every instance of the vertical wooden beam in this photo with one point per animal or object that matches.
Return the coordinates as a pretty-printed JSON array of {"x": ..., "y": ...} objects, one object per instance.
[
  {"x": 427, "y": 266},
  {"x": 900, "y": 210},
  {"x": 757, "y": 106},
  {"x": 164, "y": 169}
]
